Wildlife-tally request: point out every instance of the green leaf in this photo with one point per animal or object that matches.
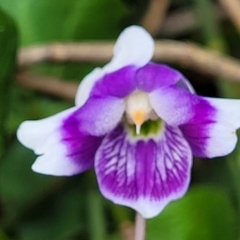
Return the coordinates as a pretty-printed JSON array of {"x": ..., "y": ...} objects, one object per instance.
[
  {"x": 20, "y": 187},
  {"x": 3, "y": 236},
  {"x": 204, "y": 213},
  {"x": 59, "y": 216},
  {"x": 43, "y": 21},
  {"x": 72, "y": 20},
  {"x": 8, "y": 46}
]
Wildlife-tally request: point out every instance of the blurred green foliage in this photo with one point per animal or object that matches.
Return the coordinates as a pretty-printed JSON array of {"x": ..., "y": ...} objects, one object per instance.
[
  {"x": 205, "y": 212},
  {"x": 34, "y": 206},
  {"x": 8, "y": 46}
]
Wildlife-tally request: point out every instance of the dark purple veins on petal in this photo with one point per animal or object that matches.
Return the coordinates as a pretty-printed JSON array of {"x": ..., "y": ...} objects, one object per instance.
[{"x": 147, "y": 169}]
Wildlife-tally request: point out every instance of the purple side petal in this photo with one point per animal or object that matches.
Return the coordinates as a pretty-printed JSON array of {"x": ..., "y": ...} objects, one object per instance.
[
  {"x": 143, "y": 174},
  {"x": 80, "y": 147},
  {"x": 64, "y": 150},
  {"x": 65, "y": 141},
  {"x": 68, "y": 153},
  {"x": 209, "y": 125},
  {"x": 214, "y": 135},
  {"x": 153, "y": 76},
  {"x": 118, "y": 84},
  {"x": 177, "y": 106},
  {"x": 99, "y": 115}
]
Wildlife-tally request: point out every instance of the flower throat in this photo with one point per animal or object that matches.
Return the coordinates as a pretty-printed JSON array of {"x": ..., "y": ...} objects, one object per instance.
[{"x": 140, "y": 113}]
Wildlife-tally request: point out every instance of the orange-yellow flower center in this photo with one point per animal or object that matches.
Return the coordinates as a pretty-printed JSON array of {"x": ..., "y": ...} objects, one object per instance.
[
  {"x": 138, "y": 109},
  {"x": 138, "y": 117}
]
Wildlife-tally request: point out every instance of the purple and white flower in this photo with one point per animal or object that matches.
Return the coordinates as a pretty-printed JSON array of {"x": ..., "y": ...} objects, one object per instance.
[{"x": 139, "y": 124}]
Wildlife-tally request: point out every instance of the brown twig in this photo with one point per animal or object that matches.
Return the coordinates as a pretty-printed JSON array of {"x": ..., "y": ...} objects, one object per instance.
[
  {"x": 154, "y": 17},
  {"x": 79, "y": 52},
  {"x": 49, "y": 85},
  {"x": 185, "y": 54},
  {"x": 233, "y": 9},
  {"x": 203, "y": 60}
]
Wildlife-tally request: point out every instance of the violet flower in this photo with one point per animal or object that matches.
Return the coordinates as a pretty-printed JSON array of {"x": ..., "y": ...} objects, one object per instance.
[{"x": 139, "y": 124}]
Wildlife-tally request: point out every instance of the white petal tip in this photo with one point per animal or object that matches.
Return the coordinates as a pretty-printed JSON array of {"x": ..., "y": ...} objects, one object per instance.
[
  {"x": 26, "y": 134},
  {"x": 134, "y": 46},
  {"x": 58, "y": 166}
]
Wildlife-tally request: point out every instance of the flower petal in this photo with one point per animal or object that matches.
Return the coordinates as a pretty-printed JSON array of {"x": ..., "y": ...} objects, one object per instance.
[
  {"x": 86, "y": 85},
  {"x": 58, "y": 156},
  {"x": 177, "y": 106},
  {"x": 134, "y": 47},
  {"x": 99, "y": 115},
  {"x": 208, "y": 124},
  {"x": 33, "y": 134},
  {"x": 67, "y": 157},
  {"x": 214, "y": 135},
  {"x": 144, "y": 174},
  {"x": 117, "y": 84},
  {"x": 65, "y": 141},
  {"x": 153, "y": 76}
]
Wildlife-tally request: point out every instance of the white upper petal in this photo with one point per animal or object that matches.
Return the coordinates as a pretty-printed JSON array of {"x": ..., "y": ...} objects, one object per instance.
[
  {"x": 134, "y": 46},
  {"x": 86, "y": 86}
]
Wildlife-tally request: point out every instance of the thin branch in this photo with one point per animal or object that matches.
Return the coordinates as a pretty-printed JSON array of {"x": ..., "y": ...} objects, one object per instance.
[
  {"x": 233, "y": 9},
  {"x": 203, "y": 60},
  {"x": 155, "y": 15},
  {"x": 185, "y": 54},
  {"x": 49, "y": 85},
  {"x": 60, "y": 52}
]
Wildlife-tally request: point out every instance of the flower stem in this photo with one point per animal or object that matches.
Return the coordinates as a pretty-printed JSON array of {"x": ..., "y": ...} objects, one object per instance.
[{"x": 140, "y": 227}]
